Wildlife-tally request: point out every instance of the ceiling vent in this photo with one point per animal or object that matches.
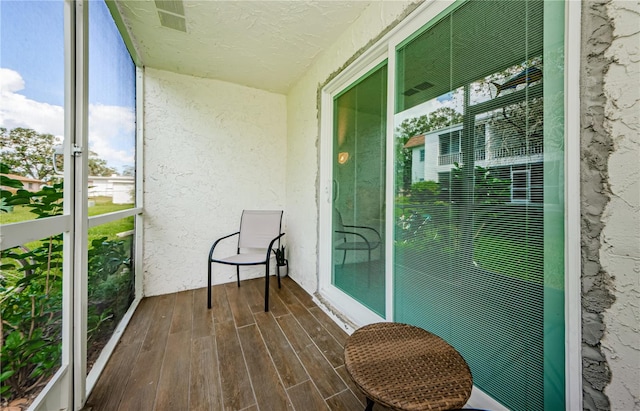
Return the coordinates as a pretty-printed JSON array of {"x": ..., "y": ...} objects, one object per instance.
[{"x": 171, "y": 13}]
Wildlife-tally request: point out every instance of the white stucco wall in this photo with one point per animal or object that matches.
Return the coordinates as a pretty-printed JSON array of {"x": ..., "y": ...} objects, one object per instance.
[
  {"x": 211, "y": 150},
  {"x": 620, "y": 254},
  {"x": 303, "y": 138},
  {"x": 417, "y": 166}
]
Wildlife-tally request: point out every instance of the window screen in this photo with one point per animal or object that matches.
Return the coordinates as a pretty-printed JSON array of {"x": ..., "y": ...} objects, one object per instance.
[{"x": 480, "y": 260}]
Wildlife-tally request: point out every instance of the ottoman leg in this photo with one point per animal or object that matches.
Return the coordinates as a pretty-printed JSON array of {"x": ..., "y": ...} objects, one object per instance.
[{"x": 369, "y": 405}]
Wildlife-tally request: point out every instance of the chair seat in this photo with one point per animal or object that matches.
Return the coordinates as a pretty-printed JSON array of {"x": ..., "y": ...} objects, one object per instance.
[
  {"x": 248, "y": 259},
  {"x": 356, "y": 245}
]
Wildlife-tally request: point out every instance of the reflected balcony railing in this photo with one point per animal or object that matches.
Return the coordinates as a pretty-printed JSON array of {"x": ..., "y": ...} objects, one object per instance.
[
  {"x": 482, "y": 154},
  {"x": 451, "y": 158},
  {"x": 517, "y": 151}
]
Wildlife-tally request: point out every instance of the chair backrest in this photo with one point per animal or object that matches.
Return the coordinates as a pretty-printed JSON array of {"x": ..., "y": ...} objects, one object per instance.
[{"x": 259, "y": 227}]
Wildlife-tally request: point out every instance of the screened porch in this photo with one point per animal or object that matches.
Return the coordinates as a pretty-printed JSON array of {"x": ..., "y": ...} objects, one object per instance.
[{"x": 194, "y": 111}]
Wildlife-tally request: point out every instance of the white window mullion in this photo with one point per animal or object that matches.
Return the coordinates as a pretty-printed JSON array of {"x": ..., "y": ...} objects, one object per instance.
[
  {"x": 66, "y": 399},
  {"x": 139, "y": 219},
  {"x": 390, "y": 182},
  {"x": 573, "y": 287},
  {"x": 80, "y": 204}
]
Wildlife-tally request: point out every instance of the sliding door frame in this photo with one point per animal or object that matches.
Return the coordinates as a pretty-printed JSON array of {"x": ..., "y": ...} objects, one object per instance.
[
  {"x": 385, "y": 48},
  {"x": 336, "y": 297}
]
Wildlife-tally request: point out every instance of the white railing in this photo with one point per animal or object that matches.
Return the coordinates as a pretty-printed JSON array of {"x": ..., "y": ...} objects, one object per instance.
[
  {"x": 517, "y": 151},
  {"x": 481, "y": 154},
  {"x": 446, "y": 159},
  {"x": 450, "y": 158}
]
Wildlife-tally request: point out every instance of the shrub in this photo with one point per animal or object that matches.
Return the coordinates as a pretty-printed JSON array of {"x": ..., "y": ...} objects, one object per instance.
[
  {"x": 425, "y": 192},
  {"x": 31, "y": 294}
]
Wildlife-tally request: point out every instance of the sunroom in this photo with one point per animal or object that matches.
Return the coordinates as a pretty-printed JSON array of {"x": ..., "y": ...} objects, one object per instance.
[{"x": 509, "y": 226}]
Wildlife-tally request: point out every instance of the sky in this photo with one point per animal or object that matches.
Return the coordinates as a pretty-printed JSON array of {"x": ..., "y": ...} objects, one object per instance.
[
  {"x": 451, "y": 100},
  {"x": 32, "y": 76}
]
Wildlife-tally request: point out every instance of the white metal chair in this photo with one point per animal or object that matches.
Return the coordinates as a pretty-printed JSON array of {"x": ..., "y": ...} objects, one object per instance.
[{"x": 259, "y": 231}]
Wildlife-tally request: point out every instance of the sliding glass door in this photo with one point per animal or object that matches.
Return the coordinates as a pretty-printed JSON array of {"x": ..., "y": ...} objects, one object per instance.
[
  {"x": 475, "y": 221},
  {"x": 479, "y": 236},
  {"x": 358, "y": 159}
]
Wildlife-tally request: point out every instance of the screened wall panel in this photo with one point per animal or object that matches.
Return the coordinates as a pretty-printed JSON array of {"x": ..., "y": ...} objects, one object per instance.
[
  {"x": 472, "y": 261},
  {"x": 112, "y": 119},
  {"x": 111, "y": 178},
  {"x": 34, "y": 275}
]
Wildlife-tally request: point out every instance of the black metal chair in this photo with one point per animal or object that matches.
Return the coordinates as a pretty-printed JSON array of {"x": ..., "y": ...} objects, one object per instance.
[
  {"x": 259, "y": 231},
  {"x": 354, "y": 237}
]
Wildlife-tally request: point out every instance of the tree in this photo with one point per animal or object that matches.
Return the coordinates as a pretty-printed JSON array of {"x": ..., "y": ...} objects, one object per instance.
[
  {"x": 98, "y": 166},
  {"x": 128, "y": 171},
  {"x": 442, "y": 117},
  {"x": 27, "y": 152}
]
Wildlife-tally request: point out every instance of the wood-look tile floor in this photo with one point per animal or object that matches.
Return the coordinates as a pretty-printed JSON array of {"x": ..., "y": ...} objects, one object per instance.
[{"x": 177, "y": 355}]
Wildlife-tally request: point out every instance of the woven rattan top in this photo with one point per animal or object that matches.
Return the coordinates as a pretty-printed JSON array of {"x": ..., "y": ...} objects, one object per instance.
[{"x": 407, "y": 368}]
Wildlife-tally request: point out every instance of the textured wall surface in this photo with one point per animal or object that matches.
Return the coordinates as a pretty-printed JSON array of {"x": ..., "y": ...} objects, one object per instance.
[
  {"x": 303, "y": 136},
  {"x": 211, "y": 150},
  {"x": 620, "y": 247},
  {"x": 595, "y": 147},
  {"x": 610, "y": 175}
]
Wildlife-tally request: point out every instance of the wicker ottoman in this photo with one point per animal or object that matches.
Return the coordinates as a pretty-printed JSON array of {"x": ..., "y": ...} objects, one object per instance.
[{"x": 407, "y": 368}]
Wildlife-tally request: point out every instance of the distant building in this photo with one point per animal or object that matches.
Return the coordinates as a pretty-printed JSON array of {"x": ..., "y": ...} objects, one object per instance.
[
  {"x": 120, "y": 188},
  {"x": 29, "y": 184},
  {"x": 497, "y": 146},
  {"x": 416, "y": 144}
]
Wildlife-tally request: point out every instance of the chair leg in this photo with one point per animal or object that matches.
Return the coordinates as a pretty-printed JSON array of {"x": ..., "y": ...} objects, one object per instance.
[
  {"x": 209, "y": 287},
  {"x": 238, "y": 274},
  {"x": 266, "y": 289},
  {"x": 369, "y": 270},
  {"x": 344, "y": 257}
]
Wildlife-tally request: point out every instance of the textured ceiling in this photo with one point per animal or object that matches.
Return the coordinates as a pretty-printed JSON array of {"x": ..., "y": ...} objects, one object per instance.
[{"x": 263, "y": 44}]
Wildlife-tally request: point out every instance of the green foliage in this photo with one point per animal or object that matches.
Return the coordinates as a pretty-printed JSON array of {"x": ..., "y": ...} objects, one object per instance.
[
  {"x": 437, "y": 119},
  {"x": 31, "y": 295},
  {"x": 27, "y": 152},
  {"x": 128, "y": 171},
  {"x": 31, "y": 317},
  {"x": 476, "y": 228},
  {"x": 487, "y": 189},
  {"x": 425, "y": 192},
  {"x": 110, "y": 284},
  {"x": 98, "y": 166},
  {"x": 485, "y": 254},
  {"x": 280, "y": 256},
  {"x": 6, "y": 196},
  {"x": 31, "y": 305}
]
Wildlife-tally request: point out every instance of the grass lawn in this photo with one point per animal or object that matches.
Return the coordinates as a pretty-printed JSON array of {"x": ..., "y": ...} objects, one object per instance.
[{"x": 102, "y": 205}]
